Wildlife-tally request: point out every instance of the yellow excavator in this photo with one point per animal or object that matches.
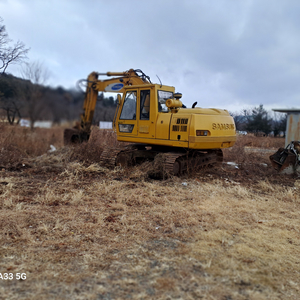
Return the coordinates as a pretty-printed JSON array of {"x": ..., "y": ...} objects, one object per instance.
[{"x": 153, "y": 118}]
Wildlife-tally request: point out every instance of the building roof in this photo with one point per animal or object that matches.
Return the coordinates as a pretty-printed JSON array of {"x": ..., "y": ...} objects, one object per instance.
[{"x": 287, "y": 110}]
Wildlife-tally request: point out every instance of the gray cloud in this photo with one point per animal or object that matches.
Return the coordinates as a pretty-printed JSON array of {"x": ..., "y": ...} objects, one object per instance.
[{"x": 226, "y": 54}]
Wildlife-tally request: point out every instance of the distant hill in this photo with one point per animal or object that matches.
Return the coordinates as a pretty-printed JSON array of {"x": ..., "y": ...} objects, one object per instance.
[{"x": 20, "y": 98}]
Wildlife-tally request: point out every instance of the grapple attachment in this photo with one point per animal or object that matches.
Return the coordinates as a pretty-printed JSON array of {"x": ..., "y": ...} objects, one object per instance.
[
  {"x": 74, "y": 136},
  {"x": 286, "y": 160}
]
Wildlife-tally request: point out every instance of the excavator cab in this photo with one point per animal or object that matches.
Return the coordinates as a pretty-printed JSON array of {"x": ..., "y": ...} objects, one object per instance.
[{"x": 140, "y": 118}]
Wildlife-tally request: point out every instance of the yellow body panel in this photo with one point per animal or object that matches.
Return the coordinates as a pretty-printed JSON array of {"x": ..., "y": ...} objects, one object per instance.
[
  {"x": 158, "y": 142},
  {"x": 180, "y": 124},
  {"x": 163, "y": 126},
  {"x": 219, "y": 125}
]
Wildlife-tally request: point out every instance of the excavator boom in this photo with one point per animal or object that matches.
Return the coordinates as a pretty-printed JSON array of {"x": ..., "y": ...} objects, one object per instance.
[{"x": 94, "y": 85}]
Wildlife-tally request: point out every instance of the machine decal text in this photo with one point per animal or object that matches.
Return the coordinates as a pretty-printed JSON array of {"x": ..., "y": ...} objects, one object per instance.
[{"x": 222, "y": 126}]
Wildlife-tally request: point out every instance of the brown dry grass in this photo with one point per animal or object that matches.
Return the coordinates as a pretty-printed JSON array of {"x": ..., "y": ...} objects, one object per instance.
[
  {"x": 80, "y": 231},
  {"x": 259, "y": 142},
  {"x": 18, "y": 143}
]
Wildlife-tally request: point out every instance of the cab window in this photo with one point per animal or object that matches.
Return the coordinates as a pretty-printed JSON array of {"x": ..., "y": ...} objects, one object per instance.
[
  {"x": 163, "y": 96},
  {"x": 129, "y": 107},
  {"x": 145, "y": 104}
]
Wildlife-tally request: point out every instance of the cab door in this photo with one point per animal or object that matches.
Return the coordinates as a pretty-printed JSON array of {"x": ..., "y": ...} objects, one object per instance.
[
  {"x": 146, "y": 126},
  {"x": 127, "y": 123}
]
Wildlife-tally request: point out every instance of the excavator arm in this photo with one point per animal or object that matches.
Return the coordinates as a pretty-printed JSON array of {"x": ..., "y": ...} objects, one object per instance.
[{"x": 82, "y": 129}]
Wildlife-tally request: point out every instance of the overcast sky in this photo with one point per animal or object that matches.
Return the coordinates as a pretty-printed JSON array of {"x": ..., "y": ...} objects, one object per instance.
[{"x": 229, "y": 54}]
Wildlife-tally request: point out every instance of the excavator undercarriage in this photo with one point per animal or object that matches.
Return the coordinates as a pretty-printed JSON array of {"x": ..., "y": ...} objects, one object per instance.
[{"x": 175, "y": 161}]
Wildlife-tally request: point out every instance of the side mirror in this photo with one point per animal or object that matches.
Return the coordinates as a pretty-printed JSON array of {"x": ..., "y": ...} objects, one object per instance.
[{"x": 119, "y": 99}]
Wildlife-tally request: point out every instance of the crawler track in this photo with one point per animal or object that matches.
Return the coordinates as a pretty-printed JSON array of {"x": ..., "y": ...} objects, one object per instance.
[
  {"x": 108, "y": 157},
  {"x": 178, "y": 163},
  {"x": 174, "y": 163}
]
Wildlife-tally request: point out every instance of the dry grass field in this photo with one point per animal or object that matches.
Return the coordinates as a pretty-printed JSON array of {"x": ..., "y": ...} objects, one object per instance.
[{"x": 80, "y": 231}]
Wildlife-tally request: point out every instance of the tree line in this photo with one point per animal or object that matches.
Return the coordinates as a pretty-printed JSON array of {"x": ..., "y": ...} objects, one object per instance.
[
  {"x": 22, "y": 98},
  {"x": 260, "y": 122}
]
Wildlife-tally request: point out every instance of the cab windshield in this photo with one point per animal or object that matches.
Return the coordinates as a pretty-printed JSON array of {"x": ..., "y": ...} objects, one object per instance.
[{"x": 129, "y": 107}]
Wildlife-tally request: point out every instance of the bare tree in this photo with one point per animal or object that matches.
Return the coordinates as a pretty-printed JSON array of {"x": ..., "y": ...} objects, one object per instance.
[
  {"x": 37, "y": 75},
  {"x": 36, "y": 72},
  {"x": 240, "y": 119},
  {"x": 10, "y": 54},
  {"x": 10, "y": 101},
  {"x": 12, "y": 109},
  {"x": 279, "y": 123}
]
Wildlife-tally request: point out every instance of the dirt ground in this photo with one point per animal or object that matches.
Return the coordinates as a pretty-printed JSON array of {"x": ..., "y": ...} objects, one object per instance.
[{"x": 80, "y": 231}]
